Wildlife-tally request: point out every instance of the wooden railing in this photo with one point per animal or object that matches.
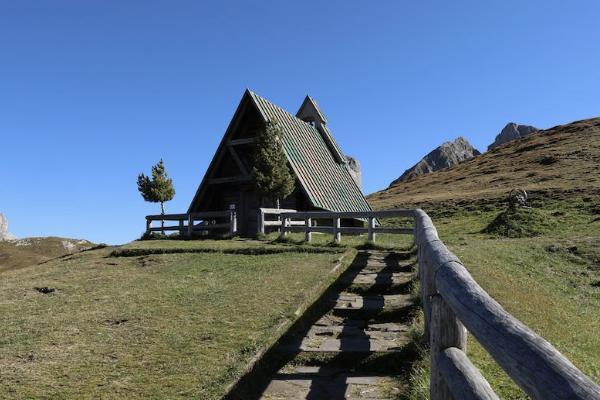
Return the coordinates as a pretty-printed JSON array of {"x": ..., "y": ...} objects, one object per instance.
[
  {"x": 264, "y": 222},
  {"x": 454, "y": 303},
  {"x": 194, "y": 223},
  {"x": 304, "y": 222}
]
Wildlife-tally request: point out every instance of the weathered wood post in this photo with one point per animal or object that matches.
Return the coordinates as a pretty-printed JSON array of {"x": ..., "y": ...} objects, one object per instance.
[
  {"x": 370, "y": 233},
  {"x": 284, "y": 224},
  {"x": 181, "y": 229},
  {"x": 446, "y": 331},
  {"x": 337, "y": 235},
  {"x": 428, "y": 246},
  {"x": 307, "y": 231},
  {"x": 421, "y": 276},
  {"x": 190, "y": 227},
  {"x": 427, "y": 291},
  {"x": 261, "y": 221},
  {"x": 148, "y": 224},
  {"x": 232, "y": 220}
]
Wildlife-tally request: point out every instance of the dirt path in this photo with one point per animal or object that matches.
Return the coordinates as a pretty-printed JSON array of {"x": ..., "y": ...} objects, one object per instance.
[{"x": 359, "y": 348}]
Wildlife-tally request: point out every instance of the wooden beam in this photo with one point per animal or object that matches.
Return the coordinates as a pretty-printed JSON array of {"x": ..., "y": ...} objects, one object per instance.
[
  {"x": 201, "y": 215},
  {"x": 229, "y": 179},
  {"x": 166, "y": 217},
  {"x": 352, "y": 214},
  {"x": 238, "y": 142},
  {"x": 168, "y": 228},
  {"x": 237, "y": 160},
  {"x": 462, "y": 378},
  {"x": 446, "y": 331}
]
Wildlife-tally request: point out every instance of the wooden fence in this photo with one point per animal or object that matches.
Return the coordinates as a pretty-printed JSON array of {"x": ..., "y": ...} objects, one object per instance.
[
  {"x": 264, "y": 222},
  {"x": 305, "y": 222},
  {"x": 454, "y": 303},
  {"x": 195, "y": 223}
]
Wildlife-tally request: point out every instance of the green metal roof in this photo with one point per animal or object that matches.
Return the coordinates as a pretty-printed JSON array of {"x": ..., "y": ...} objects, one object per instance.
[{"x": 327, "y": 183}]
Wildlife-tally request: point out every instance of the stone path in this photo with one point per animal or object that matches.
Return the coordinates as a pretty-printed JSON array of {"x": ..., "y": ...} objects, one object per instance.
[{"x": 357, "y": 349}]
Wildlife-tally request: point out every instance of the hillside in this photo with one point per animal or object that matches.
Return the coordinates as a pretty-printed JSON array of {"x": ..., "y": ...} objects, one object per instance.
[
  {"x": 552, "y": 162},
  {"x": 20, "y": 253}
]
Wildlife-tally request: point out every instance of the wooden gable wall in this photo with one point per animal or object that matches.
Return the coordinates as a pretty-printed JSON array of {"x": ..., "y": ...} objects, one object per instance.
[{"x": 228, "y": 182}]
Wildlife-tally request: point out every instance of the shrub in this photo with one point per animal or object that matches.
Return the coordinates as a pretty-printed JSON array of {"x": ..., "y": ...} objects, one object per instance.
[{"x": 519, "y": 222}]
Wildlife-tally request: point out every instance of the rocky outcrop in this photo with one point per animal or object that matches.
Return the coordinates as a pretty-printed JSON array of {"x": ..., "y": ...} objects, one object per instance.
[
  {"x": 354, "y": 169},
  {"x": 447, "y": 155},
  {"x": 512, "y": 131},
  {"x": 4, "y": 235}
]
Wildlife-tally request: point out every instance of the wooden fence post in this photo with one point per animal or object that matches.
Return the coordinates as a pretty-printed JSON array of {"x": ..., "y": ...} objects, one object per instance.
[
  {"x": 445, "y": 331},
  {"x": 307, "y": 231},
  {"x": 370, "y": 233},
  {"x": 261, "y": 221},
  {"x": 190, "y": 230},
  {"x": 337, "y": 235},
  {"x": 232, "y": 221},
  {"x": 148, "y": 224},
  {"x": 283, "y": 232}
]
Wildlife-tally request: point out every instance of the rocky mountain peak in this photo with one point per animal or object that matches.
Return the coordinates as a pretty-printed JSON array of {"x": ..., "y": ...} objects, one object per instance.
[
  {"x": 4, "y": 235},
  {"x": 512, "y": 131},
  {"x": 444, "y": 156}
]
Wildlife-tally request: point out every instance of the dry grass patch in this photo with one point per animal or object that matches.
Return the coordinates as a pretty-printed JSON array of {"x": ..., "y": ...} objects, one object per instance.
[{"x": 164, "y": 326}]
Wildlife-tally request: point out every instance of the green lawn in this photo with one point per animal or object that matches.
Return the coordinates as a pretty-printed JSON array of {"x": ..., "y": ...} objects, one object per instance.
[
  {"x": 551, "y": 282},
  {"x": 158, "y": 326}
]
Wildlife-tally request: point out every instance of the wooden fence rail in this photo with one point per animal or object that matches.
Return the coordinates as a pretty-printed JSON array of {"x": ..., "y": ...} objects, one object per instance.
[
  {"x": 289, "y": 223},
  {"x": 263, "y": 223},
  {"x": 193, "y": 223}
]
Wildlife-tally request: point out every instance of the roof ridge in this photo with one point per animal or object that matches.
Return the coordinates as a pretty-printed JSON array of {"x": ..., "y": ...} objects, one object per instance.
[{"x": 276, "y": 106}]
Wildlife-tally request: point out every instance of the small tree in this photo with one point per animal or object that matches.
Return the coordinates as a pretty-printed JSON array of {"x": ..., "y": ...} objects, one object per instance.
[
  {"x": 159, "y": 189},
  {"x": 272, "y": 175}
]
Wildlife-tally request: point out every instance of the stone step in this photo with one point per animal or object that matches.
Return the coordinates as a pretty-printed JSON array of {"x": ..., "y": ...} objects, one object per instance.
[
  {"x": 332, "y": 333},
  {"x": 381, "y": 267},
  {"x": 307, "y": 382},
  {"x": 381, "y": 280},
  {"x": 370, "y": 302}
]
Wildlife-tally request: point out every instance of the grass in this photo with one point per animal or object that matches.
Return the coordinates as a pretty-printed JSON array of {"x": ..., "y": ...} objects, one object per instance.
[
  {"x": 157, "y": 326},
  {"x": 519, "y": 222}
]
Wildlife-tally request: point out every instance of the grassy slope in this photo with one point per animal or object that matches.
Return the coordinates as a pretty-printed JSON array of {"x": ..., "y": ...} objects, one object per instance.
[
  {"x": 162, "y": 326},
  {"x": 551, "y": 281},
  {"x": 21, "y": 253}
]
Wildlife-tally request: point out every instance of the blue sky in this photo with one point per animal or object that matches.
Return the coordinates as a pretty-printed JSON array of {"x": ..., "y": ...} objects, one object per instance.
[{"x": 94, "y": 92}]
